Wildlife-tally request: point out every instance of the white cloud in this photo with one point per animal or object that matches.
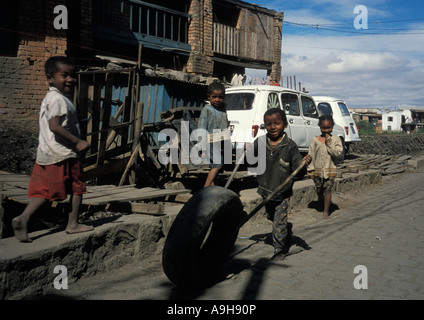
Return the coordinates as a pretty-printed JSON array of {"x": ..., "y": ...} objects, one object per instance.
[{"x": 364, "y": 70}]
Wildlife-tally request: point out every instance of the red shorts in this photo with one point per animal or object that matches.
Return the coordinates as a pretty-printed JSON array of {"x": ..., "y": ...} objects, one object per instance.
[{"x": 54, "y": 182}]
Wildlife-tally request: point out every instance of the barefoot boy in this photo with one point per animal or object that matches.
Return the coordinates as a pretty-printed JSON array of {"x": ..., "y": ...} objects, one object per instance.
[
  {"x": 213, "y": 118},
  {"x": 57, "y": 170},
  {"x": 325, "y": 151}
]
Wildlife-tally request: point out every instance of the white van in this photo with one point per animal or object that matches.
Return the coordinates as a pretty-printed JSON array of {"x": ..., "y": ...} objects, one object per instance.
[
  {"x": 246, "y": 106},
  {"x": 341, "y": 115}
]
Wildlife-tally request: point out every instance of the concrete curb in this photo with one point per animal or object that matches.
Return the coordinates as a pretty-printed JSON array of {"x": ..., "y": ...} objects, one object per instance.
[{"x": 26, "y": 269}]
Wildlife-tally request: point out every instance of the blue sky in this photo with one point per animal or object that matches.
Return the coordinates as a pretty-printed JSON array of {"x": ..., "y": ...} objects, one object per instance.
[{"x": 382, "y": 66}]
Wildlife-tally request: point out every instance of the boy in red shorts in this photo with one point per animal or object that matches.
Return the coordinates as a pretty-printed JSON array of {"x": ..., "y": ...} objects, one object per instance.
[{"x": 57, "y": 170}]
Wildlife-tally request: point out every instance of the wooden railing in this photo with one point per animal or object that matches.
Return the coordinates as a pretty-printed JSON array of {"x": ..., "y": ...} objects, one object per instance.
[
  {"x": 134, "y": 19},
  {"x": 226, "y": 40},
  {"x": 241, "y": 43},
  {"x": 161, "y": 22}
]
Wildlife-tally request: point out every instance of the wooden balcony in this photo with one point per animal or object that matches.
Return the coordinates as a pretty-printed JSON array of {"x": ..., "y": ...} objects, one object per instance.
[
  {"x": 241, "y": 43},
  {"x": 134, "y": 21}
]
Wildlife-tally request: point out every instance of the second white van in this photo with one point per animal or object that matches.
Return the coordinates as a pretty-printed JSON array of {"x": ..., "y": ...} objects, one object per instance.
[{"x": 341, "y": 115}]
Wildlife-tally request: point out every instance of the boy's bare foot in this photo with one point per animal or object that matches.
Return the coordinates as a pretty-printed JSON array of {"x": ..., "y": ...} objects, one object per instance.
[
  {"x": 78, "y": 228},
  {"x": 20, "y": 230},
  {"x": 325, "y": 215}
]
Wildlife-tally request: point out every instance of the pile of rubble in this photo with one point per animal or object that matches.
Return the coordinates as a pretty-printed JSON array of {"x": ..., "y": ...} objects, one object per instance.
[{"x": 387, "y": 164}]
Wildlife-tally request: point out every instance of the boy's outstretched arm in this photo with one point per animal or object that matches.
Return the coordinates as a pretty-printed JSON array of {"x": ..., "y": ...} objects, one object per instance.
[{"x": 56, "y": 127}]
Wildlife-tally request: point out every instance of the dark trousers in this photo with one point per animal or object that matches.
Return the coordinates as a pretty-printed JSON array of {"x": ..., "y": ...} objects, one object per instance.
[{"x": 277, "y": 212}]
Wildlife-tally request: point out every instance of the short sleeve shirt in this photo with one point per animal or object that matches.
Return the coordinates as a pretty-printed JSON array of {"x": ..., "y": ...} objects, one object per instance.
[
  {"x": 215, "y": 122},
  {"x": 51, "y": 148}
]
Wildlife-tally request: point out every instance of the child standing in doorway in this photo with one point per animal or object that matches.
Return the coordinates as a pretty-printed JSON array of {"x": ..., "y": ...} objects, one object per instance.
[
  {"x": 213, "y": 119},
  {"x": 325, "y": 151},
  {"x": 282, "y": 157},
  {"x": 57, "y": 170}
]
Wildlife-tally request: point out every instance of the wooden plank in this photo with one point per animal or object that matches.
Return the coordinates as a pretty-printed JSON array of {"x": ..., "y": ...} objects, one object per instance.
[
  {"x": 102, "y": 72},
  {"x": 13, "y": 178},
  {"x": 17, "y": 184},
  {"x": 13, "y": 191},
  {"x": 82, "y": 105},
  {"x": 126, "y": 111},
  {"x": 140, "y": 194},
  {"x": 136, "y": 143},
  {"x": 90, "y": 111},
  {"x": 107, "y": 110},
  {"x": 97, "y": 97},
  {"x": 155, "y": 209},
  {"x": 108, "y": 192},
  {"x": 20, "y": 198},
  {"x": 107, "y": 187},
  {"x": 115, "y": 122},
  {"x": 111, "y": 190},
  {"x": 1, "y": 211},
  {"x": 6, "y": 173}
]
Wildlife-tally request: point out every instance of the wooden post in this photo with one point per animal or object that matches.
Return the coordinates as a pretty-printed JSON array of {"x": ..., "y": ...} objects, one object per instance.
[
  {"x": 107, "y": 107},
  {"x": 1, "y": 211},
  {"x": 98, "y": 81},
  {"x": 137, "y": 86},
  {"x": 82, "y": 105},
  {"x": 137, "y": 120},
  {"x": 136, "y": 143},
  {"x": 129, "y": 164}
]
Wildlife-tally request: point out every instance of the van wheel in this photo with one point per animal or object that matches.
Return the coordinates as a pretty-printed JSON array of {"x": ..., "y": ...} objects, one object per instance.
[{"x": 201, "y": 237}]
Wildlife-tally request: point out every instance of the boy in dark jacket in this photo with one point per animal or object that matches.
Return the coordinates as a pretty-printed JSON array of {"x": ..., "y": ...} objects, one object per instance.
[{"x": 282, "y": 158}]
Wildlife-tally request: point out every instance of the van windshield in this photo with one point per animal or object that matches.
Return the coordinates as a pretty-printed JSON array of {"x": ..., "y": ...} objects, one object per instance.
[{"x": 239, "y": 101}]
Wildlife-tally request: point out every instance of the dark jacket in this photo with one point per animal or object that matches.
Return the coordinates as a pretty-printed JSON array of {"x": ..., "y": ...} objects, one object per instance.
[{"x": 280, "y": 163}]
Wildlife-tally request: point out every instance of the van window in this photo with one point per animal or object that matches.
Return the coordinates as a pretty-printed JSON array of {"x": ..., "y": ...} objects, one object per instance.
[
  {"x": 239, "y": 101},
  {"x": 343, "y": 109},
  {"x": 325, "y": 109},
  {"x": 273, "y": 101},
  {"x": 308, "y": 107},
  {"x": 290, "y": 104}
]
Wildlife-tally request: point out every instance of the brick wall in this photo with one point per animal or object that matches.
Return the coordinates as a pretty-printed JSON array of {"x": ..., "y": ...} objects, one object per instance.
[
  {"x": 200, "y": 38},
  {"x": 276, "y": 54},
  {"x": 22, "y": 80}
]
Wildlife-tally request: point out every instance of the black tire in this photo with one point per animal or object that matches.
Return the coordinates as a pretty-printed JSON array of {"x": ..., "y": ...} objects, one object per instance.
[{"x": 192, "y": 256}]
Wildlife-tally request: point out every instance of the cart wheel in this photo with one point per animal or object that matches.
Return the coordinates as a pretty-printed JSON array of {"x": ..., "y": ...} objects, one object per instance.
[{"x": 201, "y": 237}]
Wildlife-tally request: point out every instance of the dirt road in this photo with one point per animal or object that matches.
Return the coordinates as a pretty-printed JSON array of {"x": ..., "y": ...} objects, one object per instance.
[{"x": 372, "y": 247}]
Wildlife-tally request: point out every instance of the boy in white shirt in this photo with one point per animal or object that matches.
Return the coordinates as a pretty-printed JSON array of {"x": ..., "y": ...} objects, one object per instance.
[{"x": 57, "y": 170}]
